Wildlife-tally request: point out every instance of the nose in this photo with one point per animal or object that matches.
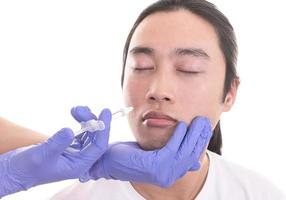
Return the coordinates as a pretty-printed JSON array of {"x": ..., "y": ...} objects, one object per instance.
[{"x": 161, "y": 90}]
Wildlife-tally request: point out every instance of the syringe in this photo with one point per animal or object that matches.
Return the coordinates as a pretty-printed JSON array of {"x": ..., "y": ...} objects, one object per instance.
[{"x": 98, "y": 125}]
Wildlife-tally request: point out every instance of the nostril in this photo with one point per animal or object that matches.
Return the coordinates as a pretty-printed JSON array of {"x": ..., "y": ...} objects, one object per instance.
[{"x": 159, "y": 98}]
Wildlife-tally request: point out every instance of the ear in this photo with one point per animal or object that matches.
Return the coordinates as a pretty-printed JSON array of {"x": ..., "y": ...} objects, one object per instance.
[{"x": 231, "y": 95}]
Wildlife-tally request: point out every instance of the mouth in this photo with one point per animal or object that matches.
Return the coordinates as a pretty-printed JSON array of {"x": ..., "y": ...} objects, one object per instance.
[{"x": 158, "y": 119}]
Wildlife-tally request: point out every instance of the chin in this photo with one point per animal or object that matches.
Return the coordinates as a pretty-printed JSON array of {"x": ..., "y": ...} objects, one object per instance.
[
  {"x": 152, "y": 144},
  {"x": 153, "y": 138}
]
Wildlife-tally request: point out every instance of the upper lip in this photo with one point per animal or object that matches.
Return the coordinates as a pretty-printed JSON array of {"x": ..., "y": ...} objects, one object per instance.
[{"x": 157, "y": 115}]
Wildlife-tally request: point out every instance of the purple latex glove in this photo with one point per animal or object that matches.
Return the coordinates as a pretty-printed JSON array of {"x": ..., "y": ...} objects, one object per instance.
[
  {"x": 126, "y": 161},
  {"x": 54, "y": 160}
]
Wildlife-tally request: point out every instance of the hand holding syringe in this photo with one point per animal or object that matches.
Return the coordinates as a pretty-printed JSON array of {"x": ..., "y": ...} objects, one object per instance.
[
  {"x": 63, "y": 156},
  {"x": 98, "y": 125},
  {"x": 88, "y": 137}
]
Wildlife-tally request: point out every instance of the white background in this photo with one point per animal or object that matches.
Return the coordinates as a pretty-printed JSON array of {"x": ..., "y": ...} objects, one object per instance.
[{"x": 60, "y": 53}]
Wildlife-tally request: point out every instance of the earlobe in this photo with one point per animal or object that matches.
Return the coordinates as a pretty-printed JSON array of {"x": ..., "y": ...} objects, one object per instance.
[
  {"x": 228, "y": 102},
  {"x": 231, "y": 95}
]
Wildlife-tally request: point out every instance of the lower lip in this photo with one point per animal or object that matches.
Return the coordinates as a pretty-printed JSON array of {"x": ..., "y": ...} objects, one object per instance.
[{"x": 161, "y": 123}]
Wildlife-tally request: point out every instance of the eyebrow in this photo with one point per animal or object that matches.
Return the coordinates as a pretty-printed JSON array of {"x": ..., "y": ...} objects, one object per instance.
[
  {"x": 192, "y": 51},
  {"x": 196, "y": 52},
  {"x": 139, "y": 50}
]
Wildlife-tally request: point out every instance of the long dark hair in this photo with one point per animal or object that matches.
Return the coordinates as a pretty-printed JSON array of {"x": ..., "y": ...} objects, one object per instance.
[{"x": 225, "y": 34}]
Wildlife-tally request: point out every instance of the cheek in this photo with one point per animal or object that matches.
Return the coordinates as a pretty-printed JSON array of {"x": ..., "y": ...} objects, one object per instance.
[
  {"x": 201, "y": 100},
  {"x": 133, "y": 92}
]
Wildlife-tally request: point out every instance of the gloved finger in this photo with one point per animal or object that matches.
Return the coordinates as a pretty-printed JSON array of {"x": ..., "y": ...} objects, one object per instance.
[
  {"x": 190, "y": 163},
  {"x": 194, "y": 158},
  {"x": 201, "y": 144},
  {"x": 203, "y": 140},
  {"x": 103, "y": 135},
  {"x": 82, "y": 113},
  {"x": 196, "y": 166},
  {"x": 99, "y": 142},
  {"x": 58, "y": 142},
  {"x": 175, "y": 141},
  {"x": 191, "y": 138}
]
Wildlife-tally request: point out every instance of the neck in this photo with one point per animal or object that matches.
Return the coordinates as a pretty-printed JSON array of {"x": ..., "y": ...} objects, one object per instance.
[{"x": 188, "y": 187}]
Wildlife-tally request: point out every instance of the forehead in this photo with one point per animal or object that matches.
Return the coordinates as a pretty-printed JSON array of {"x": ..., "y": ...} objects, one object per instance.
[{"x": 164, "y": 31}]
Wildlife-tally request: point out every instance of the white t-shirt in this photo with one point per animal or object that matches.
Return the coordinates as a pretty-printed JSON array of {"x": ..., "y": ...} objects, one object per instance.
[{"x": 224, "y": 181}]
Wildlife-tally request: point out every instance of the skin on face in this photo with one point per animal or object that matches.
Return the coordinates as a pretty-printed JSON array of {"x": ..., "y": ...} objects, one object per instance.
[{"x": 174, "y": 66}]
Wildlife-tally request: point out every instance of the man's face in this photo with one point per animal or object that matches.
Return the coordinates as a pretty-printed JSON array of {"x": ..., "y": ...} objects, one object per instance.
[{"x": 174, "y": 72}]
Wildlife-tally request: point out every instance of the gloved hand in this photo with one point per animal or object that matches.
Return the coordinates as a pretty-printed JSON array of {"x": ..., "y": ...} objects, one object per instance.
[
  {"x": 61, "y": 157},
  {"x": 126, "y": 161}
]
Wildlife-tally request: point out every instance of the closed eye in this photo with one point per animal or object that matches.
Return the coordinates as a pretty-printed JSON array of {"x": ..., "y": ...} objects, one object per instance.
[
  {"x": 142, "y": 68},
  {"x": 188, "y": 72}
]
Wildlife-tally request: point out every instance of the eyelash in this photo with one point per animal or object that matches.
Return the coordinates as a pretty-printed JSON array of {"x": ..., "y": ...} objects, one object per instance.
[
  {"x": 150, "y": 68},
  {"x": 142, "y": 69},
  {"x": 188, "y": 72}
]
